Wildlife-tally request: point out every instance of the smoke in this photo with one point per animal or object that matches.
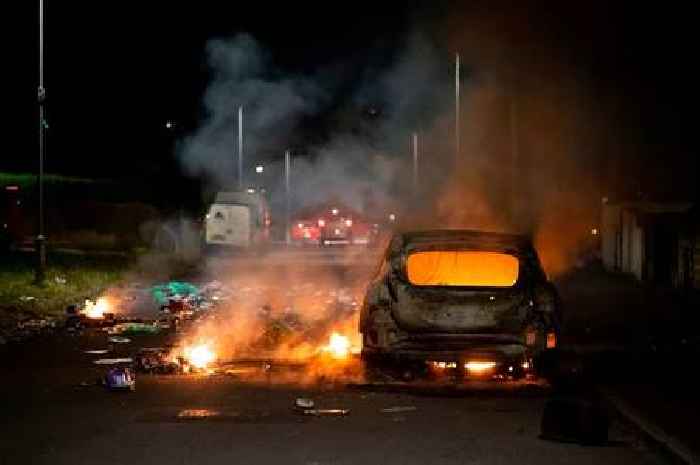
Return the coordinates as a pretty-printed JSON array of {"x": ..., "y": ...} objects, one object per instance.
[
  {"x": 366, "y": 142},
  {"x": 243, "y": 75},
  {"x": 531, "y": 134}
]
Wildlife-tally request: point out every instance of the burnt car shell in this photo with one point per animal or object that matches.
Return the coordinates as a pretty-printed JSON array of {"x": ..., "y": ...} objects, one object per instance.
[{"x": 509, "y": 325}]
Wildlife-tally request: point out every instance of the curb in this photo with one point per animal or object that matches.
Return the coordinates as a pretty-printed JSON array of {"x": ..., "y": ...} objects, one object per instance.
[{"x": 653, "y": 433}]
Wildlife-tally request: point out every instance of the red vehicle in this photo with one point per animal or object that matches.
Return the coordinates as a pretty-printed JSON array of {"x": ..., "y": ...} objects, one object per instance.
[
  {"x": 12, "y": 218},
  {"x": 304, "y": 232},
  {"x": 333, "y": 224}
]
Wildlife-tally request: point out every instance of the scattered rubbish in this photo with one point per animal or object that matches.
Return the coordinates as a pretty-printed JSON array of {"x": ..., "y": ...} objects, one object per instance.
[
  {"x": 72, "y": 309},
  {"x": 162, "y": 324},
  {"x": 198, "y": 413},
  {"x": 399, "y": 409},
  {"x": 134, "y": 328},
  {"x": 96, "y": 352},
  {"x": 155, "y": 360},
  {"x": 73, "y": 323},
  {"x": 119, "y": 340},
  {"x": 174, "y": 291},
  {"x": 33, "y": 324},
  {"x": 27, "y": 298},
  {"x": 120, "y": 378},
  {"x": 329, "y": 412},
  {"x": 112, "y": 361},
  {"x": 60, "y": 280},
  {"x": 303, "y": 403}
]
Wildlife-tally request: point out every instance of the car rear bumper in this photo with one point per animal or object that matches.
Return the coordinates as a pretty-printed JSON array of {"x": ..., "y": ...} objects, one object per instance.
[{"x": 452, "y": 347}]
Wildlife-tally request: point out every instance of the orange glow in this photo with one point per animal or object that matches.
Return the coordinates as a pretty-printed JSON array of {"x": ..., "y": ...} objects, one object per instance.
[
  {"x": 462, "y": 268},
  {"x": 96, "y": 309},
  {"x": 551, "y": 340},
  {"x": 199, "y": 356},
  {"x": 338, "y": 346},
  {"x": 479, "y": 366}
]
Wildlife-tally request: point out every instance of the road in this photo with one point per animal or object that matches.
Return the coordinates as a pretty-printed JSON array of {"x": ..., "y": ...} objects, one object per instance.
[{"x": 53, "y": 412}]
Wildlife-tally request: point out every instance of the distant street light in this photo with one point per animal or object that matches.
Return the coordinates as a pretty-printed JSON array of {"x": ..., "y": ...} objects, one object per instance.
[
  {"x": 169, "y": 125},
  {"x": 259, "y": 169}
]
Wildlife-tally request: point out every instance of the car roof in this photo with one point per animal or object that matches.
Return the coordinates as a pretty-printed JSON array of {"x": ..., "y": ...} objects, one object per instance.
[{"x": 480, "y": 239}]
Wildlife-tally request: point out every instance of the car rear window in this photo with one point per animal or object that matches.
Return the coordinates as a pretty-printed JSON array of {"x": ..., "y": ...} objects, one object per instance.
[{"x": 462, "y": 268}]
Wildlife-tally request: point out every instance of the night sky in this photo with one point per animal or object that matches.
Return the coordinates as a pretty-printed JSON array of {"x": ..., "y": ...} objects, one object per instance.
[{"x": 116, "y": 72}]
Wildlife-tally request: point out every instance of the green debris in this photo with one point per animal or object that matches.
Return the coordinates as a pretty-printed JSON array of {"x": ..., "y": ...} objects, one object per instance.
[
  {"x": 135, "y": 328},
  {"x": 163, "y": 292}
]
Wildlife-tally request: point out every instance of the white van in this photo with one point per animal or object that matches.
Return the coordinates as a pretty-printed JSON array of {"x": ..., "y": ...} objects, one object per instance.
[{"x": 237, "y": 219}]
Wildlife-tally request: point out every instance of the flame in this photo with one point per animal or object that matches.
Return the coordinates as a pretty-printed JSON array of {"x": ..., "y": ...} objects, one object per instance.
[
  {"x": 462, "y": 268},
  {"x": 96, "y": 309},
  {"x": 200, "y": 355},
  {"x": 338, "y": 346}
]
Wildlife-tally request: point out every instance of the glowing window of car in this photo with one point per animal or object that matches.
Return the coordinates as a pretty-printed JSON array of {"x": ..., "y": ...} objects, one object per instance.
[{"x": 462, "y": 268}]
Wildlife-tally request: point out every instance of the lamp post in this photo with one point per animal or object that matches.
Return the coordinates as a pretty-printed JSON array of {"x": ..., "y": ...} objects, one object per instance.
[
  {"x": 288, "y": 193},
  {"x": 40, "y": 243}
]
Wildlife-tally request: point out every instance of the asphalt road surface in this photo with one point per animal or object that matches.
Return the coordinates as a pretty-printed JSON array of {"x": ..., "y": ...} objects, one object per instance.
[{"x": 54, "y": 413}]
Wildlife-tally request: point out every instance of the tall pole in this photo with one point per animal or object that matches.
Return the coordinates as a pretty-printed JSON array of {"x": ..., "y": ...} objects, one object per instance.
[
  {"x": 287, "y": 190},
  {"x": 40, "y": 244},
  {"x": 514, "y": 161},
  {"x": 457, "y": 111},
  {"x": 415, "y": 162},
  {"x": 240, "y": 147}
]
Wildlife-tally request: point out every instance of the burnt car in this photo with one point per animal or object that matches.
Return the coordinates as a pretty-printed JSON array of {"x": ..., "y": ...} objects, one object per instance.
[{"x": 474, "y": 303}]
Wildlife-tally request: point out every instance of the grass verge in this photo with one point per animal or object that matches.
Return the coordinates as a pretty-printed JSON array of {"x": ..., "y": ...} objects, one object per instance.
[{"x": 69, "y": 278}]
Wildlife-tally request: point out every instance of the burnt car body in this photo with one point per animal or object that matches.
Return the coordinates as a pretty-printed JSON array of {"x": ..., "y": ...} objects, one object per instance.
[{"x": 502, "y": 328}]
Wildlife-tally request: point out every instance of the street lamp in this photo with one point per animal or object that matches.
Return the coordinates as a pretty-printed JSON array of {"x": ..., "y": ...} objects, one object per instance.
[
  {"x": 169, "y": 125},
  {"x": 40, "y": 238},
  {"x": 259, "y": 169}
]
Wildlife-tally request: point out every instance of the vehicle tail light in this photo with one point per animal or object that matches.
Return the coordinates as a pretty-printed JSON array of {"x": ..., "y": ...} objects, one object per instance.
[{"x": 551, "y": 340}]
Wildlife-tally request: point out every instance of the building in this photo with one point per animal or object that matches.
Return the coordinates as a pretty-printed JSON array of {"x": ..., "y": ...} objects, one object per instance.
[{"x": 655, "y": 242}]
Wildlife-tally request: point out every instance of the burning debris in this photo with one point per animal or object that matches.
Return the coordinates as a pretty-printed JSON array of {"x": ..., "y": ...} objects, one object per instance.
[
  {"x": 199, "y": 356},
  {"x": 237, "y": 329},
  {"x": 338, "y": 347},
  {"x": 96, "y": 309}
]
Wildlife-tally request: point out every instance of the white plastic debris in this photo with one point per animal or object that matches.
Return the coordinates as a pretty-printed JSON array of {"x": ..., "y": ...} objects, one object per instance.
[
  {"x": 399, "y": 409},
  {"x": 304, "y": 403},
  {"x": 112, "y": 361}
]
